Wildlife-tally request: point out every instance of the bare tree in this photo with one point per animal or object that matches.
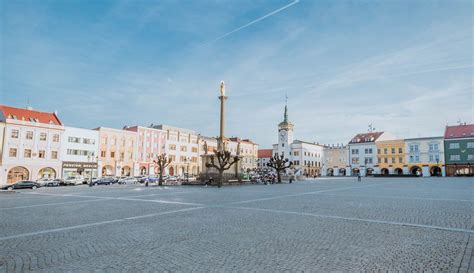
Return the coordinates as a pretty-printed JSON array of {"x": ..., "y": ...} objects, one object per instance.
[
  {"x": 224, "y": 161},
  {"x": 279, "y": 163},
  {"x": 162, "y": 161}
]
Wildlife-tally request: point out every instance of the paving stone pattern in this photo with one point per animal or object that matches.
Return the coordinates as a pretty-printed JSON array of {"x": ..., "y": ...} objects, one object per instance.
[{"x": 323, "y": 225}]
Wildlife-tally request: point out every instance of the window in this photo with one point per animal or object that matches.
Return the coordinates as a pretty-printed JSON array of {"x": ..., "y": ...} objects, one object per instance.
[
  {"x": 378, "y": 151},
  {"x": 88, "y": 141},
  {"x": 417, "y": 158},
  {"x": 56, "y": 138},
  {"x": 122, "y": 142},
  {"x": 470, "y": 157},
  {"x": 41, "y": 153},
  {"x": 454, "y": 145},
  {"x": 54, "y": 155},
  {"x": 296, "y": 153},
  {"x": 102, "y": 153},
  {"x": 455, "y": 157},
  {"x": 380, "y": 160},
  {"x": 355, "y": 160},
  {"x": 27, "y": 153},
  {"x": 400, "y": 160},
  {"x": 393, "y": 150},
  {"x": 393, "y": 159},
  {"x": 73, "y": 139},
  {"x": 470, "y": 145},
  {"x": 433, "y": 147},
  {"x": 414, "y": 148},
  {"x": 368, "y": 160},
  {"x": 42, "y": 136},
  {"x": 355, "y": 151},
  {"x": 194, "y": 149},
  {"x": 183, "y": 148},
  {"x": 13, "y": 152},
  {"x": 29, "y": 135},
  {"x": 15, "y": 133},
  {"x": 385, "y": 151},
  {"x": 122, "y": 156},
  {"x": 172, "y": 147},
  {"x": 385, "y": 160},
  {"x": 112, "y": 154},
  {"x": 103, "y": 140},
  {"x": 400, "y": 150}
]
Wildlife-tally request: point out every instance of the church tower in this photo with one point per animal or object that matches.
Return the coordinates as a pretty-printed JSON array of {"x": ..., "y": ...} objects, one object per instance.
[{"x": 285, "y": 134}]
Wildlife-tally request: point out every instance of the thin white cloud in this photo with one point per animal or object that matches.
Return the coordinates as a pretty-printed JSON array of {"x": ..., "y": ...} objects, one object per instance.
[{"x": 253, "y": 22}]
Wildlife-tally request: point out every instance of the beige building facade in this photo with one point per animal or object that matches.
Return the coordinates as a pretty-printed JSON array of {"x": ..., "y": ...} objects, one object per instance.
[{"x": 117, "y": 152}]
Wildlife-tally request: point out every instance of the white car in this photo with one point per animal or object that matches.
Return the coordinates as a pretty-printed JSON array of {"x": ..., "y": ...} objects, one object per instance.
[
  {"x": 128, "y": 180},
  {"x": 73, "y": 180},
  {"x": 43, "y": 181}
]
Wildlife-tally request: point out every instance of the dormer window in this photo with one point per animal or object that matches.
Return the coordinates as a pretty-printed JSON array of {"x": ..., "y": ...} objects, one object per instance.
[
  {"x": 32, "y": 119},
  {"x": 14, "y": 117}
]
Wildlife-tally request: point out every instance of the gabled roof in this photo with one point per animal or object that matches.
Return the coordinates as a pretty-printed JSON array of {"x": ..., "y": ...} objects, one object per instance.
[
  {"x": 29, "y": 115},
  {"x": 239, "y": 140},
  {"x": 265, "y": 153},
  {"x": 365, "y": 138},
  {"x": 459, "y": 131}
]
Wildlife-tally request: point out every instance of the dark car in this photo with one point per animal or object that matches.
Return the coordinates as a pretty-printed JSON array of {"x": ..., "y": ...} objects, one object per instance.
[
  {"x": 104, "y": 181},
  {"x": 22, "y": 185}
]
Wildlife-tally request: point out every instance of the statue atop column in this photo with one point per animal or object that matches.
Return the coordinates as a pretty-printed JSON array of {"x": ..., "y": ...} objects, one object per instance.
[{"x": 222, "y": 89}]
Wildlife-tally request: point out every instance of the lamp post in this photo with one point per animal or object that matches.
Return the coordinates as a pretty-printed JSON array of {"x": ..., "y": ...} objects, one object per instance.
[{"x": 187, "y": 169}]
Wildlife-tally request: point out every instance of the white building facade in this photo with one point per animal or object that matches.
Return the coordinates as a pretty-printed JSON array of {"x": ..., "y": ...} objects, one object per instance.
[
  {"x": 31, "y": 145},
  {"x": 424, "y": 156},
  {"x": 80, "y": 152},
  {"x": 182, "y": 146},
  {"x": 363, "y": 153}
]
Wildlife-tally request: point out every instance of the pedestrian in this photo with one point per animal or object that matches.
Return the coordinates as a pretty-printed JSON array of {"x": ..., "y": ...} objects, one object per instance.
[{"x": 359, "y": 178}]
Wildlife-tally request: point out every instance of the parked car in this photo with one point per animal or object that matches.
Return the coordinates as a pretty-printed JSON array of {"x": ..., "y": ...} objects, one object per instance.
[
  {"x": 22, "y": 185},
  {"x": 128, "y": 180},
  {"x": 72, "y": 180},
  {"x": 104, "y": 181},
  {"x": 141, "y": 179},
  {"x": 53, "y": 183},
  {"x": 43, "y": 181}
]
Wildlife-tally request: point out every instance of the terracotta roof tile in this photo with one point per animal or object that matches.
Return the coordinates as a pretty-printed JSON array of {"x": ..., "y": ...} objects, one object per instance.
[
  {"x": 367, "y": 137},
  {"x": 459, "y": 131},
  {"x": 264, "y": 153},
  {"x": 29, "y": 115}
]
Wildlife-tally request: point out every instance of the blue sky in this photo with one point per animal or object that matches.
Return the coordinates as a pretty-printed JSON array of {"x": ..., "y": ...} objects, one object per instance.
[{"x": 404, "y": 66}]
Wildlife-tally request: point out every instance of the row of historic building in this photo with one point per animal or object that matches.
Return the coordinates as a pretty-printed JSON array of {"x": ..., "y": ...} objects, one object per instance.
[
  {"x": 35, "y": 145},
  {"x": 378, "y": 153}
]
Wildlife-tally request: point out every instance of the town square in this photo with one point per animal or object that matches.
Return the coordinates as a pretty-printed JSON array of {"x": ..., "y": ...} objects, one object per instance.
[
  {"x": 333, "y": 224},
  {"x": 236, "y": 136}
]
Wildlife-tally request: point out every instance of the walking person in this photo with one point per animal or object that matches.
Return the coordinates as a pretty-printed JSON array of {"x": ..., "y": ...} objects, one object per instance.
[{"x": 359, "y": 178}]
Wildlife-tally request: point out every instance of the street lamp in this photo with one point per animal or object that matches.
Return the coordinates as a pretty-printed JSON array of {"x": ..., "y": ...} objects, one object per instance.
[{"x": 186, "y": 160}]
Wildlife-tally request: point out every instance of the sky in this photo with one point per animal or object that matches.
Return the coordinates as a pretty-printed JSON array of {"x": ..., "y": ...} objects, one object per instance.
[{"x": 405, "y": 67}]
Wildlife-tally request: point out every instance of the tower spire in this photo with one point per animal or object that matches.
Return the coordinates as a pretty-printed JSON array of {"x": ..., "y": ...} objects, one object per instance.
[{"x": 285, "y": 116}]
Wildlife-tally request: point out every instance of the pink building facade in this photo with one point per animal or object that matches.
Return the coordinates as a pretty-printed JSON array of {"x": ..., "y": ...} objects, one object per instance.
[{"x": 151, "y": 143}]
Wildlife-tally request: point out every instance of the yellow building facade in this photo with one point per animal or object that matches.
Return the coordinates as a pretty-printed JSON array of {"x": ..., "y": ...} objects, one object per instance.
[{"x": 390, "y": 156}]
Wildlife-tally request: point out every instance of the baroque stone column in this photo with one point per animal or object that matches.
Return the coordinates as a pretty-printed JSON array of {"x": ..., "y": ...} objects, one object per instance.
[{"x": 222, "y": 98}]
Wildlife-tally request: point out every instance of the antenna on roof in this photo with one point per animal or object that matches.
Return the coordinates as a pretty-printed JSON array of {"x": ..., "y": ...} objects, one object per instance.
[
  {"x": 371, "y": 128},
  {"x": 459, "y": 121}
]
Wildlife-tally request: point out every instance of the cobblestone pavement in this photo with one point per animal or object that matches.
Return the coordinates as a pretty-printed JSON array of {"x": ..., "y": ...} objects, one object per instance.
[{"x": 331, "y": 224}]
